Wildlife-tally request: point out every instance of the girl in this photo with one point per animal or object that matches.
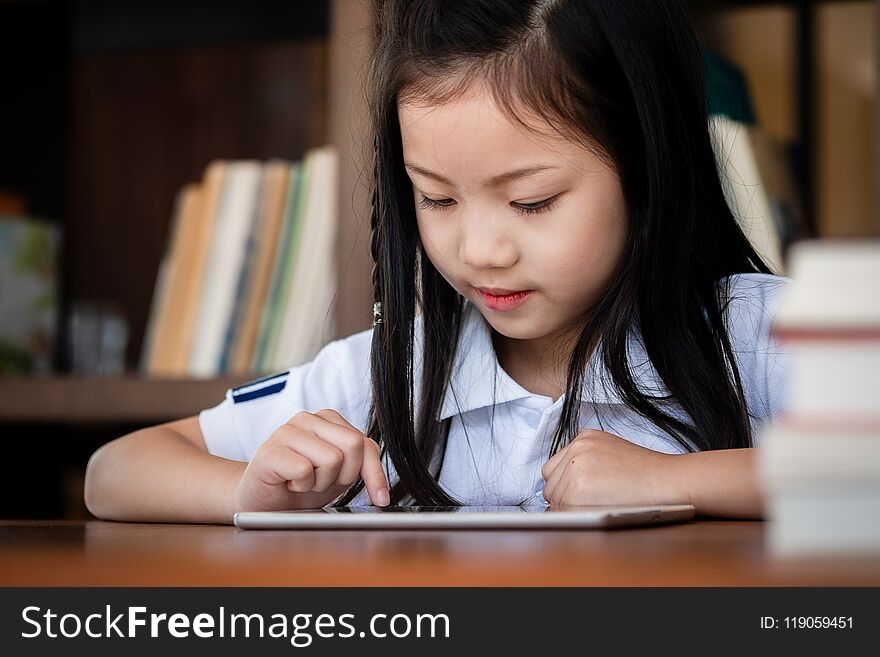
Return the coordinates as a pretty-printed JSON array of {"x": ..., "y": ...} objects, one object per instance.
[{"x": 566, "y": 310}]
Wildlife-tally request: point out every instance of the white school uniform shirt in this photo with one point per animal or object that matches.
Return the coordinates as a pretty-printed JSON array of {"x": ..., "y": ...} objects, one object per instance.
[{"x": 500, "y": 432}]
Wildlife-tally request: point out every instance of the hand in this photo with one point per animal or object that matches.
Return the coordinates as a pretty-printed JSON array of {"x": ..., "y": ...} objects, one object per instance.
[
  {"x": 308, "y": 462},
  {"x": 601, "y": 468}
]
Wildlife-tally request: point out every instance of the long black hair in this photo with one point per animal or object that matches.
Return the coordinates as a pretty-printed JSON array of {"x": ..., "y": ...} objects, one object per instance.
[{"x": 625, "y": 78}]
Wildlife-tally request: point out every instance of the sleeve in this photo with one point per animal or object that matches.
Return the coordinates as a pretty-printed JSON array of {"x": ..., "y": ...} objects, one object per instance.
[
  {"x": 764, "y": 363},
  {"x": 338, "y": 378}
]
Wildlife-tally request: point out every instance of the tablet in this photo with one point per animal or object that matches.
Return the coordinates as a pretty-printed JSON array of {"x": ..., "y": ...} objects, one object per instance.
[{"x": 465, "y": 517}]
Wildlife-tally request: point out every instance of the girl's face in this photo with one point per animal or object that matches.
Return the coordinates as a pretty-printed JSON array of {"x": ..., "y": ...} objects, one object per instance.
[{"x": 502, "y": 207}]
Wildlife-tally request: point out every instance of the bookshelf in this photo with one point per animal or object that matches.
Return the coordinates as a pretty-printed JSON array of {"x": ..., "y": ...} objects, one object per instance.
[
  {"x": 64, "y": 400},
  {"x": 812, "y": 65},
  {"x": 136, "y": 96},
  {"x": 113, "y": 55}
]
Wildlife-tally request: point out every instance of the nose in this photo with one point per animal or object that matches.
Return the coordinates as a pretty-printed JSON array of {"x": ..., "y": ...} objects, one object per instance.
[{"x": 487, "y": 242}]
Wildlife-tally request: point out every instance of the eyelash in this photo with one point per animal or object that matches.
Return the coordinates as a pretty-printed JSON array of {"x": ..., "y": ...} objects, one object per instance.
[{"x": 531, "y": 208}]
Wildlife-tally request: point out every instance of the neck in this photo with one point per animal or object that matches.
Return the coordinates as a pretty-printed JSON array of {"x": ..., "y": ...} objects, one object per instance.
[{"x": 539, "y": 365}]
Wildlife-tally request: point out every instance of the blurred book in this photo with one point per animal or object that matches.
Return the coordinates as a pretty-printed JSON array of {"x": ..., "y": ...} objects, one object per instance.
[
  {"x": 241, "y": 339},
  {"x": 282, "y": 269},
  {"x": 186, "y": 293},
  {"x": 226, "y": 256},
  {"x": 812, "y": 453},
  {"x": 743, "y": 186},
  {"x": 820, "y": 461},
  {"x": 777, "y": 173},
  {"x": 836, "y": 375},
  {"x": 757, "y": 170},
  {"x": 28, "y": 294},
  {"x": 248, "y": 268},
  {"x": 835, "y": 288},
  {"x": 836, "y": 519},
  {"x": 307, "y": 319},
  {"x": 189, "y": 254},
  {"x": 164, "y": 310},
  {"x": 727, "y": 90},
  {"x": 175, "y": 296}
]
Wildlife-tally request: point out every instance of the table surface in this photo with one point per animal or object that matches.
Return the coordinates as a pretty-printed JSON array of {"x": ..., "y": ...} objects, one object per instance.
[{"x": 696, "y": 553}]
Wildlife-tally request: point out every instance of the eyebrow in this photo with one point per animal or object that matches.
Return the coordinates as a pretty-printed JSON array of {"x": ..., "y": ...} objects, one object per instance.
[{"x": 495, "y": 181}]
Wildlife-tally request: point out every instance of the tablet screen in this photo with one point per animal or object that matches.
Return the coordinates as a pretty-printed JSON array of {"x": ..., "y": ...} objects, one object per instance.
[{"x": 536, "y": 508}]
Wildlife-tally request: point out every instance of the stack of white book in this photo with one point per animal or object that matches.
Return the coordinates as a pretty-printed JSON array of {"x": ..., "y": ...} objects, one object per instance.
[{"x": 820, "y": 460}]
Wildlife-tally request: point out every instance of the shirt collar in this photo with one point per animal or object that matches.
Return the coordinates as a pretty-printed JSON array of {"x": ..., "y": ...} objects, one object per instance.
[{"x": 476, "y": 372}]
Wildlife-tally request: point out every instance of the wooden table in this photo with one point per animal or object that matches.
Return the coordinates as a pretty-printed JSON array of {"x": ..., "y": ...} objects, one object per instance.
[{"x": 698, "y": 553}]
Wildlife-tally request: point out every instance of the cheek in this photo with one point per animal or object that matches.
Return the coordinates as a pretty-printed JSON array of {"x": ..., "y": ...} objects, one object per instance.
[
  {"x": 583, "y": 254},
  {"x": 438, "y": 239},
  {"x": 436, "y": 247},
  {"x": 426, "y": 236}
]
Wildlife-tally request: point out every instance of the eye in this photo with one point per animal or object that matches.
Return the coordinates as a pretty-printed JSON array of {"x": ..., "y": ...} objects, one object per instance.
[
  {"x": 537, "y": 207},
  {"x": 435, "y": 204},
  {"x": 522, "y": 208}
]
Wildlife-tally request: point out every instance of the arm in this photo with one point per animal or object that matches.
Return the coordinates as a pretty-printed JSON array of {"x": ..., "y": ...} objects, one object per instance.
[
  {"x": 165, "y": 473},
  {"x": 162, "y": 473},
  {"x": 601, "y": 468},
  {"x": 720, "y": 483}
]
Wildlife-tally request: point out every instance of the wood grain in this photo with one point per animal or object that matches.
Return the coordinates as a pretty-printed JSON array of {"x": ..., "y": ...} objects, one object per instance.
[{"x": 698, "y": 553}]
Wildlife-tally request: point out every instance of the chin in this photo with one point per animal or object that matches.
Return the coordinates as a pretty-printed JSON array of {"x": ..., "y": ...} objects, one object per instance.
[{"x": 515, "y": 329}]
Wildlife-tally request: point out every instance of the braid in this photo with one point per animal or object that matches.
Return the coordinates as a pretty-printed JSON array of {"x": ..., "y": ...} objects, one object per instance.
[
  {"x": 380, "y": 328},
  {"x": 376, "y": 234}
]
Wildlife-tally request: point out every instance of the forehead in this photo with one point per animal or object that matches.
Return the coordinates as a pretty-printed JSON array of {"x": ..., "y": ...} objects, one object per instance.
[{"x": 470, "y": 132}]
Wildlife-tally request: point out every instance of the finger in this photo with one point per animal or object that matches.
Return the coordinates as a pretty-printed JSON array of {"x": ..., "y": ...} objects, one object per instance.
[
  {"x": 554, "y": 460},
  {"x": 364, "y": 444},
  {"x": 367, "y": 463},
  {"x": 326, "y": 459},
  {"x": 557, "y": 476},
  {"x": 289, "y": 468},
  {"x": 334, "y": 416},
  {"x": 375, "y": 480},
  {"x": 332, "y": 427},
  {"x": 562, "y": 457},
  {"x": 560, "y": 494}
]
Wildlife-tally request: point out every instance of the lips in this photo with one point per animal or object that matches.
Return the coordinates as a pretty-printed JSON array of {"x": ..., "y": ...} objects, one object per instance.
[
  {"x": 503, "y": 302},
  {"x": 499, "y": 291}
]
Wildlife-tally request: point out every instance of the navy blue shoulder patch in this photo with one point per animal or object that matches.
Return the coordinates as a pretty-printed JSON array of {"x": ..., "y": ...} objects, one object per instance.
[{"x": 268, "y": 385}]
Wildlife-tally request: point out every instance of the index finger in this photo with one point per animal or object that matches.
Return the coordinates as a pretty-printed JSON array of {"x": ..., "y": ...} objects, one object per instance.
[{"x": 373, "y": 474}]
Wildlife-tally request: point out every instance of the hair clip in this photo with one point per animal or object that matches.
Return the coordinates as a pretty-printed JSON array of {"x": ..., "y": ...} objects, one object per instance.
[{"x": 377, "y": 313}]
